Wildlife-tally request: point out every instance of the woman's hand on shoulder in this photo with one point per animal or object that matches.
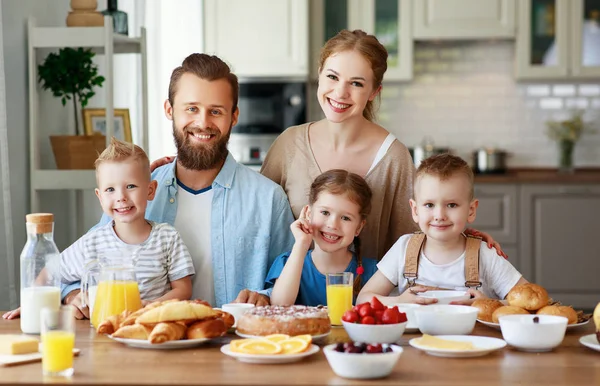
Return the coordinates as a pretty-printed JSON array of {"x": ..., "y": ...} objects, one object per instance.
[
  {"x": 301, "y": 229},
  {"x": 160, "y": 162},
  {"x": 491, "y": 243}
]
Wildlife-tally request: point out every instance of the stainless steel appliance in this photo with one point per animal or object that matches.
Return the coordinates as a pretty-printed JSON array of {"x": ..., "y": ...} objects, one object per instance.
[
  {"x": 267, "y": 108},
  {"x": 489, "y": 160}
]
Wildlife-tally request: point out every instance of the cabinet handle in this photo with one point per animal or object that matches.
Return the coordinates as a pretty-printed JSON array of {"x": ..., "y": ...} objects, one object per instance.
[{"x": 573, "y": 190}]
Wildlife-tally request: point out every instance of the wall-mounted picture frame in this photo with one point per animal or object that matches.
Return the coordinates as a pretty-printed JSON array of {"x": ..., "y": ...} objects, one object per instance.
[{"x": 94, "y": 122}]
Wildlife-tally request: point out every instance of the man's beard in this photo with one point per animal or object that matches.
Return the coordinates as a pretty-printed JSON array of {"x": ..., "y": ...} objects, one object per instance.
[{"x": 200, "y": 157}]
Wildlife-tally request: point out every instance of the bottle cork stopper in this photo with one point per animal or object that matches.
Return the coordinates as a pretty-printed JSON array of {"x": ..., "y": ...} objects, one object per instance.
[{"x": 43, "y": 221}]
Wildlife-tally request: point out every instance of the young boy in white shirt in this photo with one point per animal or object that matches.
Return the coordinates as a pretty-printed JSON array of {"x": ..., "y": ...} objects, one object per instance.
[{"x": 443, "y": 204}]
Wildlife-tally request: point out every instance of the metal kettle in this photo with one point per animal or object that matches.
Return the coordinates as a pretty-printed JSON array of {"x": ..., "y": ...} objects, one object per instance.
[{"x": 425, "y": 150}]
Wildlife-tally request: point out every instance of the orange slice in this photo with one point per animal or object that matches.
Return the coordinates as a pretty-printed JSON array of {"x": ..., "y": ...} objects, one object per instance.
[
  {"x": 234, "y": 345},
  {"x": 293, "y": 346},
  {"x": 260, "y": 346},
  {"x": 307, "y": 338},
  {"x": 277, "y": 337}
]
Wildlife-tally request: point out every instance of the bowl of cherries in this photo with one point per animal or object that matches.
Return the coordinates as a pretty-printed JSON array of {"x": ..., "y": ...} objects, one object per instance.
[
  {"x": 361, "y": 360},
  {"x": 372, "y": 322}
]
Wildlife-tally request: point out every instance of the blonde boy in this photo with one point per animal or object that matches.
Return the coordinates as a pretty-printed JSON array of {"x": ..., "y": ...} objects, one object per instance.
[
  {"x": 164, "y": 267},
  {"x": 442, "y": 205}
]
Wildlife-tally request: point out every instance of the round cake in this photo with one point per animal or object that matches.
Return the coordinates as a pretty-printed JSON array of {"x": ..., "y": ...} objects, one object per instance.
[{"x": 290, "y": 320}]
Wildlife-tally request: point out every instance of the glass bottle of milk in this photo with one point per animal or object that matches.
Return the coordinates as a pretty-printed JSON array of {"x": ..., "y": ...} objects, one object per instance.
[{"x": 40, "y": 271}]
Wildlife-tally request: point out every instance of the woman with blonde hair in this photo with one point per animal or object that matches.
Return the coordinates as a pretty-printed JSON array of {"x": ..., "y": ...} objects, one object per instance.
[{"x": 351, "y": 69}]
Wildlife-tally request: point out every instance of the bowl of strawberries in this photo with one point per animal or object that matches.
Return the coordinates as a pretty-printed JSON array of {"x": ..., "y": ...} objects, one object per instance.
[{"x": 373, "y": 322}]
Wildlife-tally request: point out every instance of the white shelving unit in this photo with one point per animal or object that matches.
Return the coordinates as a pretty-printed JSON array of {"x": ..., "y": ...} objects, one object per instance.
[{"x": 104, "y": 42}]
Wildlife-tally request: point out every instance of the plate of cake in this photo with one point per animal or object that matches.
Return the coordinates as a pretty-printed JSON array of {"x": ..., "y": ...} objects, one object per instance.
[{"x": 289, "y": 320}]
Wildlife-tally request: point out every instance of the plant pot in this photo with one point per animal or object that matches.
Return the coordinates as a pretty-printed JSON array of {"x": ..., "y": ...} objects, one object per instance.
[{"x": 77, "y": 151}]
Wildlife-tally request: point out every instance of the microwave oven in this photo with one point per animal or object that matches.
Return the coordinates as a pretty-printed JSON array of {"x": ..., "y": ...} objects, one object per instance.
[{"x": 267, "y": 108}]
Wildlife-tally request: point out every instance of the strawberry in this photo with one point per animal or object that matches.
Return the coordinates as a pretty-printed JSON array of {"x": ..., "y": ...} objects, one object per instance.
[
  {"x": 376, "y": 304},
  {"x": 378, "y": 315},
  {"x": 365, "y": 310},
  {"x": 367, "y": 320},
  {"x": 350, "y": 316},
  {"x": 390, "y": 317}
]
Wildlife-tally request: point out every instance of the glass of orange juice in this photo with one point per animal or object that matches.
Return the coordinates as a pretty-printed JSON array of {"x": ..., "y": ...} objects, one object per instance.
[
  {"x": 58, "y": 341},
  {"x": 339, "y": 295}
]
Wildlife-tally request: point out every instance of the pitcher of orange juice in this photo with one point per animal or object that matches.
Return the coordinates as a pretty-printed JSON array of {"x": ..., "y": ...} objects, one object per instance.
[{"x": 116, "y": 287}]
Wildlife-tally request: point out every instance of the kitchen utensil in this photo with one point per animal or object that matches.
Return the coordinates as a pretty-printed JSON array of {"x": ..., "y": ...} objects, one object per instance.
[
  {"x": 425, "y": 150},
  {"x": 489, "y": 160}
]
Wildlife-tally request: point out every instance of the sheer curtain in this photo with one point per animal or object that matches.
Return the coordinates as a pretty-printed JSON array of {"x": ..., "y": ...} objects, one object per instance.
[
  {"x": 8, "y": 271},
  {"x": 174, "y": 29}
]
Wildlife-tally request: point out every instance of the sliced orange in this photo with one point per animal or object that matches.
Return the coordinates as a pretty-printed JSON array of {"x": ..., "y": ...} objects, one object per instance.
[
  {"x": 277, "y": 337},
  {"x": 293, "y": 346},
  {"x": 234, "y": 345},
  {"x": 260, "y": 346},
  {"x": 306, "y": 337}
]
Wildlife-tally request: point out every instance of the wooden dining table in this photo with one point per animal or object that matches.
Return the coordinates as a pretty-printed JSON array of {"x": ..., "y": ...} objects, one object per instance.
[{"x": 103, "y": 361}]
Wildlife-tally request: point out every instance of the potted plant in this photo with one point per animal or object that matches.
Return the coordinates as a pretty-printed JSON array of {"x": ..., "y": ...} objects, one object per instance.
[
  {"x": 566, "y": 133},
  {"x": 72, "y": 75}
]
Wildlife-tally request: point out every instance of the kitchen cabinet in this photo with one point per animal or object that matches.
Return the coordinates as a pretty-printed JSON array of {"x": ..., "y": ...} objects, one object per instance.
[
  {"x": 464, "y": 19},
  {"x": 388, "y": 20},
  {"x": 558, "y": 39},
  {"x": 558, "y": 244},
  {"x": 497, "y": 215},
  {"x": 259, "y": 38}
]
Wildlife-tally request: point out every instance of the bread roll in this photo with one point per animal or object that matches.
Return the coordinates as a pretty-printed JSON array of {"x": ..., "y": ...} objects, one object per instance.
[
  {"x": 136, "y": 331},
  {"x": 529, "y": 296},
  {"x": 597, "y": 321},
  {"x": 183, "y": 311},
  {"x": 208, "y": 328},
  {"x": 167, "y": 331},
  {"x": 507, "y": 310},
  {"x": 132, "y": 317},
  {"x": 486, "y": 308},
  {"x": 227, "y": 318},
  {"x": 566, "y": 311},
  {"x": 112, "y": 323}
]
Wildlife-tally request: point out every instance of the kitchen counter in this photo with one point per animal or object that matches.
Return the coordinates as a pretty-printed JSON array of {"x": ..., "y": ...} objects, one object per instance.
[
  {"x": 541, "y": 176},
  {"x": 106, "y": 362}
]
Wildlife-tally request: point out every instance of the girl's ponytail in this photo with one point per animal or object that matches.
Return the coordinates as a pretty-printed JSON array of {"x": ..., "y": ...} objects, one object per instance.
[{"x": 359, "y": 270}]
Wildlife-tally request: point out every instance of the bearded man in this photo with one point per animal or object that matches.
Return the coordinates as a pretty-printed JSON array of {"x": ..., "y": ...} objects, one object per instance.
[{"x": 234, "y": 221}]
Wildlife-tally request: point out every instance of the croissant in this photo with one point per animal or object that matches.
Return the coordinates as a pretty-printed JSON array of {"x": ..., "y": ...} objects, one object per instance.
[
  {"x": 135, "y": 331},
  {"x": 112, "y": 323},
  {"x": 132, "y": 317},
  {"x": 227, "y": 318},
  {"x": 167, "y": 331},
  {"x": 208, "y": 328},
  {"x": 183, "y": 311}
]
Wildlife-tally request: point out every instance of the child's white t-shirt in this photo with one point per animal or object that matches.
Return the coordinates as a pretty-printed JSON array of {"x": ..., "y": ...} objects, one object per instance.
[{"x": 497, "y": 275}]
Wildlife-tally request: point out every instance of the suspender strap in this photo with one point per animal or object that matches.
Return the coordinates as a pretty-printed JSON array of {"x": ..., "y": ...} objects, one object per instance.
[
  {"x": 411, "y": 259},
  {"x": 472, "y": 262}
]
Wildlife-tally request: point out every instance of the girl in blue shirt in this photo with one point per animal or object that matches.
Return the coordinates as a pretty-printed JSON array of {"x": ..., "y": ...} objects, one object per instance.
[{"x": 339, "y": 202}]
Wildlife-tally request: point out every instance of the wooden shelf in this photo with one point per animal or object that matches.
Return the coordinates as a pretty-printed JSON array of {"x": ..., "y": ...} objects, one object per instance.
[{"x": 92, "y": 37}]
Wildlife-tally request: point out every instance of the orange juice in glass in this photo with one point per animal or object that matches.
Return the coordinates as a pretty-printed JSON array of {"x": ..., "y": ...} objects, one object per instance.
[
  {"x": 339, "y": 295},
  {"x": 58, "y": 341},
  {"x": 113, "y": 297}
]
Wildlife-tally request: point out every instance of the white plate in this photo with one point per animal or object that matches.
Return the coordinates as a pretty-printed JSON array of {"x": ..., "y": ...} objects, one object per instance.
[
  {"x": 483, "y": 345},
  {"x": 569, "y": 326},
  {"x": 314, "y": 337},
  {"x": 269, "y": 359},
  {"x": 590, "y": 341},
  {"x": 170, "y": 345}
]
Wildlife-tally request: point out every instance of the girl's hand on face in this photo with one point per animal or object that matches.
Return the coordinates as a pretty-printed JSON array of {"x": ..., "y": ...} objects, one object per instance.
[{"x": 301, "y": 229}]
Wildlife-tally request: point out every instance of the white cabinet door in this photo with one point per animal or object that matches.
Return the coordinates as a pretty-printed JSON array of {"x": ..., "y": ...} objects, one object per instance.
[
  {"x": 585, "y": 27},
  {"x": 542, "y": 39},
  {"x": 463, "y": 19},
  {"x": 388, "y": 20},
  {"x": 259, "y": 37}
]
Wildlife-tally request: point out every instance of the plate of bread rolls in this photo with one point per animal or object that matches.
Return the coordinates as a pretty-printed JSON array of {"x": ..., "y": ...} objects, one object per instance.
[
  {"x": 525, "y": 299},
  {"x": 170, "y": 324}
]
